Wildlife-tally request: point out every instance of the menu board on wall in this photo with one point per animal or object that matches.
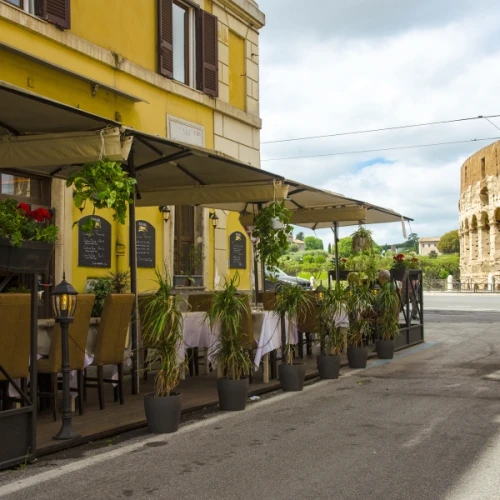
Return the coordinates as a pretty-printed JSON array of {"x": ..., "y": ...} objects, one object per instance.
[
  {"x": 237, "y": 251},
  {"x": 146, "y": 244},
  {"x": 94, "y": 250}
]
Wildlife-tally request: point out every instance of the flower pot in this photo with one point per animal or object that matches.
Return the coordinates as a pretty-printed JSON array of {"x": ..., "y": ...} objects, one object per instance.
[
  {"x": 328, "y": 367},
  {"x": 233, "y": 394},
  {"x": 385, "y": 349},
  {"x": 292, "y": 376},
  {"x": 357, "y": 357},
  {"x": 276, "y": 223},
  {"x": 30, "y": 257},
  {"x": 398, "y": 274},
  {"x": 162, "y": 413}
]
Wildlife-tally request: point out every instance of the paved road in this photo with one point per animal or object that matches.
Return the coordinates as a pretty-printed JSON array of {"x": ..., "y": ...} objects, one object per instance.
[
  {"x": 462, "y": 301},
  {"x": 423, "y": 426}
]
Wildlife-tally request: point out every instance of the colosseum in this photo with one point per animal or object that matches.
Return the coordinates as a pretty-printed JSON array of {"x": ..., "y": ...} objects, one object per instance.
[{"x": 479, "y": 209}]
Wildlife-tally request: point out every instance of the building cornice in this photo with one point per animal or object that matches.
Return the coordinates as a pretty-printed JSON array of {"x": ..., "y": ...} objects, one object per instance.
[
  {"x": 117, "y": 63},
  {"x": 247, "y": 10}
]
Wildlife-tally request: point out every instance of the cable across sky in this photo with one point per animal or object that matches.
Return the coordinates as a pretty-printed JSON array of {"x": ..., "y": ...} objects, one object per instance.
[
  {"x": 397, "y": 127},
  {"x": 382, "y": 149}
]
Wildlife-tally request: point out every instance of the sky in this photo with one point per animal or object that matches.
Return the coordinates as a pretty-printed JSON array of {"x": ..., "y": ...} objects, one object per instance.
[{"x": 333, "y": 66}]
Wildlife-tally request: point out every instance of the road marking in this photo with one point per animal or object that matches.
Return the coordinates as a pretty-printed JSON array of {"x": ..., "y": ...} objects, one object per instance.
[{"x": 62, "y": 470}]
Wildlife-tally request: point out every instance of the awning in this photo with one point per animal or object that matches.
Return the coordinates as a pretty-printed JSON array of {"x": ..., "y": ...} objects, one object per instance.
[
  {"x": 41, "y": 153},
  {"x": 315, "y": 208},
  {"x": 173, "y": 173}
]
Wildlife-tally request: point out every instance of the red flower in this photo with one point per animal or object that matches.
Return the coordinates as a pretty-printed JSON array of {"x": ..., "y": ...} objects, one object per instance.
[
  {"x": 399, "y": 257},
  {"x": 343, "y": 260},
  {"x": 40, "y": 214},
  {"x": 25, "y": 208}
]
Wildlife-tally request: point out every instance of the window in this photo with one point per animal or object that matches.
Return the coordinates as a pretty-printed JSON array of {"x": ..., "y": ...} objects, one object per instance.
[
  {"x": 32, "y": 190},
  {"x": 54, "y": 11},
  {"x": 188, "y": 45},
  {"x": 483, "y": 168}
]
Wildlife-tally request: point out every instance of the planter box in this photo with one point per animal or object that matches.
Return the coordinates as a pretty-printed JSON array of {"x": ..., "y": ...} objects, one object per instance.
[
  {"x": 16, "y": 432},
  {"x": 181, "y": 280},
  {"x": 398, "y": 274},
  {"x": 30, "y": 257},
  {"x": 343, "y": 274}
]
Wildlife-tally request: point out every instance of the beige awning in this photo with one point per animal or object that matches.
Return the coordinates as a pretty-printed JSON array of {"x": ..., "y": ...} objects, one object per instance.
[
  {"x": 315, "y": 208},
  {"x": 173, "y": 173},
  {"x": 40, "y": 153}
]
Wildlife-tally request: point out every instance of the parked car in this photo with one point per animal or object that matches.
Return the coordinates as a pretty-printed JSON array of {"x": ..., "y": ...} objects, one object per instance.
[{"x": 273, "y": 280}]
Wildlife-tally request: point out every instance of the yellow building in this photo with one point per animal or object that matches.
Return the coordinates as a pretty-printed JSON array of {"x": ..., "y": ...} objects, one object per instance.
[{"x": 180, "y": 69}]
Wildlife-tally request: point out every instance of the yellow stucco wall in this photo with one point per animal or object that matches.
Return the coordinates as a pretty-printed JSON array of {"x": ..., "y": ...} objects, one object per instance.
[
  {"x": 129, "y": 32},
  {"x": 237, "y": 77}
]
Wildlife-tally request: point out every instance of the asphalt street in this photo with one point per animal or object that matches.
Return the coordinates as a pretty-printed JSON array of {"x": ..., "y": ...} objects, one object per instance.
[
  {"x": 462, "y": 301},
  {"x": 425, "y": 425}
]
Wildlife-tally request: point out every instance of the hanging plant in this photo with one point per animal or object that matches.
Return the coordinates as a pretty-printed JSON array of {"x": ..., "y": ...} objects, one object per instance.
[
  {"x": 272, "y": 228},
  {"x": 362, "y": 239},
  {"x": 106, "y": 185}
]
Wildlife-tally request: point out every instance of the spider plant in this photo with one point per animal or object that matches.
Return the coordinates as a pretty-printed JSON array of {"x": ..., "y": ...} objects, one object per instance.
[
  {"x": 292, "y": 303},
  {"x": 332, "y": 307},
  {"x": 228, "y": 310},
  {"x": 362, "y": 239},
  {"x": 359, "y": 305},
  {"x": 387, "y": 304},
  {"x": 162, "y": 332}
]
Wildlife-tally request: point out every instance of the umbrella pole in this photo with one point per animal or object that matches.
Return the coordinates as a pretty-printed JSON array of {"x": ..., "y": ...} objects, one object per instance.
[
  {"x": 255, "y": 272},
  {"x": 336, "y": 242},
  {"x": 133, "y": 284}
]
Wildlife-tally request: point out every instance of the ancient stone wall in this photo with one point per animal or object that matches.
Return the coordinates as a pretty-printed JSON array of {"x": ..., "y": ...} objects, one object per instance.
[{"x": 479, "y": 209}]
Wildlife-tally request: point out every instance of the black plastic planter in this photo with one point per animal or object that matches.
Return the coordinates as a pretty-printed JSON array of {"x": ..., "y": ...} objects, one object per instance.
[
  {"x": 292, "y": 376},
  {"x": 328, "y": 367},
  {"x": 162, "y": 413},
  {"x": 30, "y": 257},
  {"x": 357, "y": 357},
  {"x": 385, "y": 348},
  {"x": 398, "y": 274},
  {"x": 233, "y": 394}
]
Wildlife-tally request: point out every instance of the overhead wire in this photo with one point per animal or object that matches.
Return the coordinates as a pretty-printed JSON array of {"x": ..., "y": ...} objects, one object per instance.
[
  {"x": 397, "y": 127},
  {"x": 381, "y": 149}
]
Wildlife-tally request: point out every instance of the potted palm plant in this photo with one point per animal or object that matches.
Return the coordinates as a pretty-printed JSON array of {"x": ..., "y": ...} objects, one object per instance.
[
  {"x": 293, "y": 303},
  {"x": 227, "y": 316},
  {"x": 162, "y": 333},
  {"x": 359, "y": 306},
  {"x": 387, "y": 304},
  {"x": 331, "y": 333},
  {"x": 26, "y": 237}
]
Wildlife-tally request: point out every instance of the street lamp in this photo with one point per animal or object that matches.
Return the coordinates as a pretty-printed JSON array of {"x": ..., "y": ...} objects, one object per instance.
[
  {"x": 63, "y": 305},
  {"x": 166, "y": 213},
  {"x": 319, "y": 293},
  {"x": 214, "y": 219}
]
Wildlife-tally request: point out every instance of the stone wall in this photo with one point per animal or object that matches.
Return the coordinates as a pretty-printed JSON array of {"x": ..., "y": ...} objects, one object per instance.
[{"x": 479, "y": 209}]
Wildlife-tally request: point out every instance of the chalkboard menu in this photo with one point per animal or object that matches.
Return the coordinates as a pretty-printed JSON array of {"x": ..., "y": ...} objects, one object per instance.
[
  {"x": 237, "y": 250},
  {"x": 145, "y": 244},
  {"x": 94, "y": 250}
]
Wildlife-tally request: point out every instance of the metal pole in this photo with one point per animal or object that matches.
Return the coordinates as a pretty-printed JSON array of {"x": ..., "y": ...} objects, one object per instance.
[
  {"x": 255, "y": 273},
  {"x": 133, "y": 283},
  {"x": 263, "y": 267},
  {"x": 66, "y": 431},
  {"x": 336, "y": 241},
  {"x": 33, "y": 364},
  {"x": 283, "y": 339}
]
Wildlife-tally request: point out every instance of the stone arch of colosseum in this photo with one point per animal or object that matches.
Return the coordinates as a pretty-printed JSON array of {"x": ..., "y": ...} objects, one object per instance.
[{"x": 479, "y": 208}]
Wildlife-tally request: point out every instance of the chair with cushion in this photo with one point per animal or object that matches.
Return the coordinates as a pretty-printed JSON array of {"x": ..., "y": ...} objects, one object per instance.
[
  {"x": 268, "y": 300},
  {"x": 15, "y": 311},
  {"x": 77, "y": 340},
  {"x": 110, "y": 343}
]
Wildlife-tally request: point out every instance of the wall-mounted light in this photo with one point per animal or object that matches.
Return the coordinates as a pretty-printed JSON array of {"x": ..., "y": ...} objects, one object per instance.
[
  {"x": 214, "y": 219},
  {"x": 166, "y": 213}
]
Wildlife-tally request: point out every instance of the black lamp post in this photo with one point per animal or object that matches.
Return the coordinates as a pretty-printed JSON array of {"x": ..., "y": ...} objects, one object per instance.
[{"x": 64, "y": 304}]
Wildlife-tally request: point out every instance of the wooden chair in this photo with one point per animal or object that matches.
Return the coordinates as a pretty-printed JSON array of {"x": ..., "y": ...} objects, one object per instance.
[
  {"x": 110, "y": 344},
  {"x": 307, "y": 326},
  {"x": 15, "y": 314},
  {"x": 77, "y": 341},
  {"x": 268, "y": 300}
]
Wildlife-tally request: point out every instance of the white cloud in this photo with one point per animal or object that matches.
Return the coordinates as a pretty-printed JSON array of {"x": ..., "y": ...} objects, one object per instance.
[{"x": 440, "y": 64}]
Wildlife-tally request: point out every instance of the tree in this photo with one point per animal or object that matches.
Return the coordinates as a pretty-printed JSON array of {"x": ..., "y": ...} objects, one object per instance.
[
  {"x": 300, "y": 236},
  {"x": 449, "y": 242},
  {"x": 313, "y": 243},
  {"x": 433, "y": 254},
  {"x": 329, "y": 248},
  {"x": 294, "y": 248},
  {"x": 413, "y": 242},
  {"x": 345, "y": 247}
]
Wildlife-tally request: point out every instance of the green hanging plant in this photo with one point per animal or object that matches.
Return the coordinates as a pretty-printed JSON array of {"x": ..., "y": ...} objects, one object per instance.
[
  {"x": 272, "y": 228},
  {"x": 106, "y": 185}
]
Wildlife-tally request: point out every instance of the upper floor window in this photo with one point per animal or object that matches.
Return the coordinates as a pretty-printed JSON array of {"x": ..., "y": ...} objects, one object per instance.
[
  {"x": 33, "y": 190},
  {"x": 188, "y": 45},
  {"x": 54, "y": 11}
]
